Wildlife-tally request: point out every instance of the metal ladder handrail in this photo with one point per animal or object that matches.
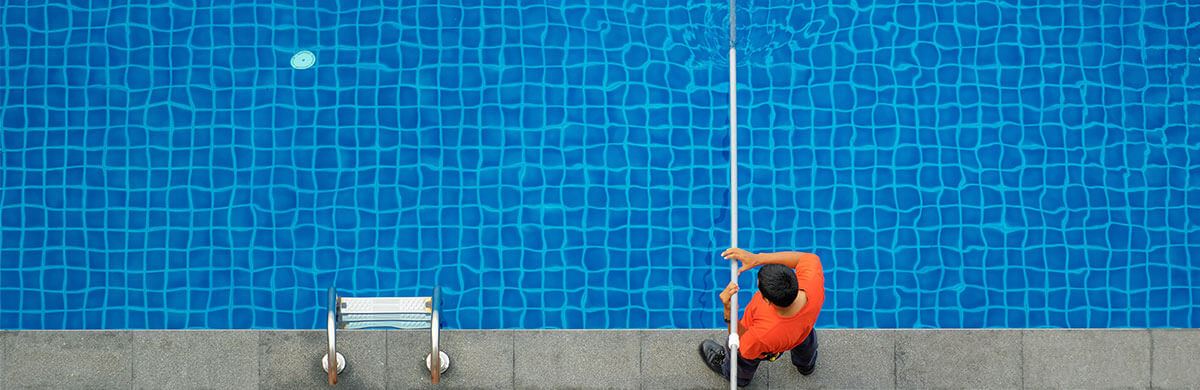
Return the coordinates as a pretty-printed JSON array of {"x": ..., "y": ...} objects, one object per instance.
[
  {"x": 435, "y": 357},
  {"x": 331, "y": 327}
]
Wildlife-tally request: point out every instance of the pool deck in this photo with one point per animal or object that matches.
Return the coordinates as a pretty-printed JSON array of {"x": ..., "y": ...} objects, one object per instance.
[{"x": 623, "y": 359}]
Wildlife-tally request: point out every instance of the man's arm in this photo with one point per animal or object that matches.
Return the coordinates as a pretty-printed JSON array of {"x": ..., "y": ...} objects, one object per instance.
[
  {"x": 726, "y": 296},
  {"x": 741, "y": 329},
  {"x": 751, "y": 260}
]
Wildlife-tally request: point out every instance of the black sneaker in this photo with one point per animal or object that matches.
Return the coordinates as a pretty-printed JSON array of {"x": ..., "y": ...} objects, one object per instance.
[{"x": 713, "y": 355}]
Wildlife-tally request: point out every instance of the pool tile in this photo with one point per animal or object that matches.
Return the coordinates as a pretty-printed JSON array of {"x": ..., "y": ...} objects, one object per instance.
[
  {"x": 847, "y": 359},
  {"x": 983, "y": 359},
  {"x": 292, "y": 359},
  {"x": 588, "y": 359},
  {"x": 1091, "y": 359},
  {"x": 68, "y": 360},
  {"x": 1175, "y": 358},
  {"x": 195, "y": 359}
]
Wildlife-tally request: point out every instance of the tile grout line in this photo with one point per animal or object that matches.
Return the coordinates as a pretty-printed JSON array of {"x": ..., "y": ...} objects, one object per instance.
[
  {"x": 641, "y": 343},
  {"x": 387, "y": 359},
  {"x": 513, "y": 339},
  {"x": 3, "y": 352},
  {"x": 4, "y": 337},
  {"x": 258, "y": 359},
  {"x": 129, "y": 343},
  {"x": 1022, "y": 359}
]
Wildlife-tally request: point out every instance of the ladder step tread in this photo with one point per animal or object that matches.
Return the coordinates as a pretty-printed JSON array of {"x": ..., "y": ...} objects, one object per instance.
[
  {"x": 386, "y": 305},
  {"x": 386, "y": 324}
]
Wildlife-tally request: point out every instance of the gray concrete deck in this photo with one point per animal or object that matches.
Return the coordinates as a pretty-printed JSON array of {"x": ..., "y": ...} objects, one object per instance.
[{"x": 620, "y": 359}]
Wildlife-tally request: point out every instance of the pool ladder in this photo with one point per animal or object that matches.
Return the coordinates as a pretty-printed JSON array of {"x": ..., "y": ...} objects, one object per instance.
[{"x": 396, "y": 313}]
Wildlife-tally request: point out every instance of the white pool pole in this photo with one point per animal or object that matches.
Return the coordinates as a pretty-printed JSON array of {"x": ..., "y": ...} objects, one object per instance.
[{"x": 733, "y": 199}]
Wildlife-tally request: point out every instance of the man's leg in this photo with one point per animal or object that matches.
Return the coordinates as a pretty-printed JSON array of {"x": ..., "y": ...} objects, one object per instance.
[
  {"x": 715, "y": 357},
  {"x": 804, "y": 356},
  {"x": 746, "y": 370}
]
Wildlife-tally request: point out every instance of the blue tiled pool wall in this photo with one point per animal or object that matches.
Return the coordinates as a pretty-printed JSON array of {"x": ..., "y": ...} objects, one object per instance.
[
  {"x": 990, "y": 164},
  {"x": 982, "y": 164}
]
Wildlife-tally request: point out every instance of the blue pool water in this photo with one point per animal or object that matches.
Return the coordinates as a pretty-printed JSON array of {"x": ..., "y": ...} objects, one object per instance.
[{"x": 549, "y": 165}]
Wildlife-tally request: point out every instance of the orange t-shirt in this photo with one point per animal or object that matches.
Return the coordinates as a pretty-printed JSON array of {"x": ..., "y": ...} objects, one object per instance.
[{"x": 767, "y": 332}]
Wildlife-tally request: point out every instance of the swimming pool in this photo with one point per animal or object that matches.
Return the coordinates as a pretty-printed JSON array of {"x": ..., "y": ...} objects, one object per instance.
[{"x": 971, "y": 164}]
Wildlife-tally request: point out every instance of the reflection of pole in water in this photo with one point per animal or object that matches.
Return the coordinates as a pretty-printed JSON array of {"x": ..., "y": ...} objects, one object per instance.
[
  {"x": 767, "y": 26},
  {"x": 732, "y": 25}
]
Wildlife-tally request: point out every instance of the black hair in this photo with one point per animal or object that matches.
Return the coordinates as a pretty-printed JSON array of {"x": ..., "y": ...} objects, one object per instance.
[{"x": 778, "y": 284}]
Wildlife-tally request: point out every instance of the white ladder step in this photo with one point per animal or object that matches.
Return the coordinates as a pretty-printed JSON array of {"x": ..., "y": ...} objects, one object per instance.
[
  {"x": 386, "y": 305},
  {"x": 386, "y": 324},
  {"x": 411, "y": 317}
]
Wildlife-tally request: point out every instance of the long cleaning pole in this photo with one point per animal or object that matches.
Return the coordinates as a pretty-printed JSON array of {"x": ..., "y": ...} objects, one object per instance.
[{"x": 733, "y": 198}]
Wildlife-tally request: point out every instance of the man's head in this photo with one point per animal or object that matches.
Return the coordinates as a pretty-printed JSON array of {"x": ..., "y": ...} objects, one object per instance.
[{"x": 778, "y": 284}]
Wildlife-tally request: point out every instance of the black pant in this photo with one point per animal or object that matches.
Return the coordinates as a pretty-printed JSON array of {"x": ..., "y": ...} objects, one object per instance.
[{"x": 804, "y": 356}]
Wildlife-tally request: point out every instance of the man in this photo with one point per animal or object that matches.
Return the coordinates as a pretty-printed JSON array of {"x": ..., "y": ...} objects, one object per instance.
[{"x": 779, "y": 317}]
